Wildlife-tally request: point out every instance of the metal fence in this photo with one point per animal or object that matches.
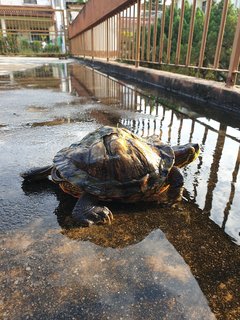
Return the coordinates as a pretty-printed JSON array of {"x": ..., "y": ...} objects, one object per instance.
[
  {"x": 164, "y": 34},
  {"x": 32, "y": 30}
]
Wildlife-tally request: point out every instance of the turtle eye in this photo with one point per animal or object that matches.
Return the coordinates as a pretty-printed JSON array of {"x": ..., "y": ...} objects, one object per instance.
[
  {"x": 162, "y": 164},
  {"x": 160, "y": 168}
]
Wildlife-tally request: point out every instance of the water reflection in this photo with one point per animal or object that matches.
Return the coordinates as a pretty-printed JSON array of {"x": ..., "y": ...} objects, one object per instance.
[
  {"x": 128, "y": 269},
  {"x": 212, "y": 182},
  {"x": 60, "y": 279}
]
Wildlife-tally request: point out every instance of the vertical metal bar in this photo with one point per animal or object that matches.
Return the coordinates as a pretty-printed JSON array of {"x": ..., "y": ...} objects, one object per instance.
[
  {"x": 235, "y": 57},
  {"x": 143, "y": 30},
  {"x": 220, "y": 34},
  {"x": 64, "y": 30},
  {"x": 180, "y": 28},
  {"x": 133, "y": 34},
  {"x": 190, "y": 36},
  {"x": 129, "y": 32},
  {"x": 170, "y": 31},
  {"x": 110, "y": 32},
  {"x": 149, "y": 29},
  {"x": 80, "y": 45},
  {"x": 92, "y": 44},
  {"x": 104, "y": 52},
  {"x": 84, "y": 45},
  {"x": 137, "y": 57},
  {"x": 125, "y": 36},
  {"x": 124, "y": 23},
  {"x": 115, "y": 26},
  {"x": 205, "y": 31},
  {"x": 113, "y": 41},
  {"x": 162, "y": 31},
  {"x": 155, "y": 32},
  {"x": 55, "y": 29},
  {"x": 111, "y": 35},
  {"x": 107, "y": 35},
  {"x": 119, "y": 36}
]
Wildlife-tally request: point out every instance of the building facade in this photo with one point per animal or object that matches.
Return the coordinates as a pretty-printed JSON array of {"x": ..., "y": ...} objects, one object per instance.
[{"x": 32, "y": 25}]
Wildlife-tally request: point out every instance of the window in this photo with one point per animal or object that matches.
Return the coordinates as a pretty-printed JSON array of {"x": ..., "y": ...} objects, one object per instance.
[
  {"x": 58, "y": 3},
  {"x": 204, "y": 5},
  {"x": 30, "y": 1}
]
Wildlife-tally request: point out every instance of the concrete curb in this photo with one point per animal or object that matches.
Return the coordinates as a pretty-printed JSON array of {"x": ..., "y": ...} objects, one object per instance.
[{"x": 205, "y": 91}]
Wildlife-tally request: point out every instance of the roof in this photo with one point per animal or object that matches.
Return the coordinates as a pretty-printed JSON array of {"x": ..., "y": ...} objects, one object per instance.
[{"x": 39, "y": 11}]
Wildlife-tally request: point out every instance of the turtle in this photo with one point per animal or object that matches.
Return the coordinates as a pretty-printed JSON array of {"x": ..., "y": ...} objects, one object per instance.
[{"x": 115, "y": 164}]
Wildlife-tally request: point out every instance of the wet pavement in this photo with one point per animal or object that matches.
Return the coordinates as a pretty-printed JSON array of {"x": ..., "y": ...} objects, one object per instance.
[{"x": 152, "y": 262}]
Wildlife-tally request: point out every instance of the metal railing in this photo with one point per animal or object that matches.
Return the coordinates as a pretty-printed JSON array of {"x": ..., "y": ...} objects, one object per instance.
[{"x": 153, "y": 33}]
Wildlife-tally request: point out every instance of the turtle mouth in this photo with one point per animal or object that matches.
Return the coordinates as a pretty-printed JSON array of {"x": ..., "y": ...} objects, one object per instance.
[
  {"x": 56, "y": 177},
  {"x": 186, "y": 154},
  {"x": 196, "y": 150}
]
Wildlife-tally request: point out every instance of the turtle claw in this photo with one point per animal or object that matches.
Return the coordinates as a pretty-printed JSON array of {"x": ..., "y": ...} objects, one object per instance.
[
  {"x": 105, "y": 215},
  {"x": 95, "y": 215},
  {"x": 99, "y": 215},
  {"x": 87, "y": 212}
]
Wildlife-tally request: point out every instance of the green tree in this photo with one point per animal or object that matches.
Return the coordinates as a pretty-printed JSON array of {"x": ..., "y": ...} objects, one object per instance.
[
  {"x": 214, "y": 25},
  {"x": 213, "y": 31}
]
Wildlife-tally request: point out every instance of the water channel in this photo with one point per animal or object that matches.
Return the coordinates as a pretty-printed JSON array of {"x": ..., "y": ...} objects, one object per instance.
[{"x": 152, "y": 262}]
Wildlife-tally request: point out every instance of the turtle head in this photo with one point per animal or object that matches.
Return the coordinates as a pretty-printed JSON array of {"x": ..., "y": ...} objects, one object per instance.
[{"x": 185, "y": 154}]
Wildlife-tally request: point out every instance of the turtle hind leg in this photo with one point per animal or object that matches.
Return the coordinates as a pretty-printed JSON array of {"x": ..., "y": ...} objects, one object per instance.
[
  {"x": 87, "y": 212},
  {"x": 36, "y": 174}
]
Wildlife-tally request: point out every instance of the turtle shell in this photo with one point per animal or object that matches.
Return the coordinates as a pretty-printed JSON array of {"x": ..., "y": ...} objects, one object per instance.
[{"x": 114, "y": 163}]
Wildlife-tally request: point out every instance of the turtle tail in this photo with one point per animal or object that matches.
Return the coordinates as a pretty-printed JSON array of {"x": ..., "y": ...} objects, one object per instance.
[{"x": 35, "y": 174}]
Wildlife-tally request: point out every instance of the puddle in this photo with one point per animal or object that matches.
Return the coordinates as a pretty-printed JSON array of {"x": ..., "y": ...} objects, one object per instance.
[
  {"x": 152, "y": 262},
  {"x": 36, "y": 109}
]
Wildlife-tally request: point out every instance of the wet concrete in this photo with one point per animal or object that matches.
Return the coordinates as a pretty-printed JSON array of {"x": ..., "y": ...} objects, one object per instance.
[{"x": 152, "y": 262}]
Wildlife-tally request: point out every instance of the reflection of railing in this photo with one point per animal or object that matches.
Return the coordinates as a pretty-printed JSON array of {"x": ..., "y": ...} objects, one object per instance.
[
  {"x": 146, "y": 115},
  {"x": 135, "y": 31}
]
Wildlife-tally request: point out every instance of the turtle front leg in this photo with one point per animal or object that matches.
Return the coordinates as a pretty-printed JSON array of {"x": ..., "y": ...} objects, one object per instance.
[
  {"x": 175, "y": 191},
  {"x": 88, "y": 212}
]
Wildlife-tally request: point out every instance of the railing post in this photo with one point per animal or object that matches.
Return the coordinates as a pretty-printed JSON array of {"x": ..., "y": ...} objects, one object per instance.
[
  {"x": 235, "y": 57},
  {"x": 205, "y": 31},
  {"x": 190, "y": 37},
  {"x": 107, "y": 36},
  {"x": 137, "y": 58},
  {"x": 119, "y": 35},
  {"x": 143, "y": 30},
  {"x": 180, "y": 29},
  {"x": 64, "y": 31},
  {"x": 161, "y": 41},
  {"x": 155, "y": 32},
  {"x": 169, "y": 47},
  {"x": 149, "y": 29},
  {"x": 92, "y": 44},
  {"x": 220, "y": 34}
]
